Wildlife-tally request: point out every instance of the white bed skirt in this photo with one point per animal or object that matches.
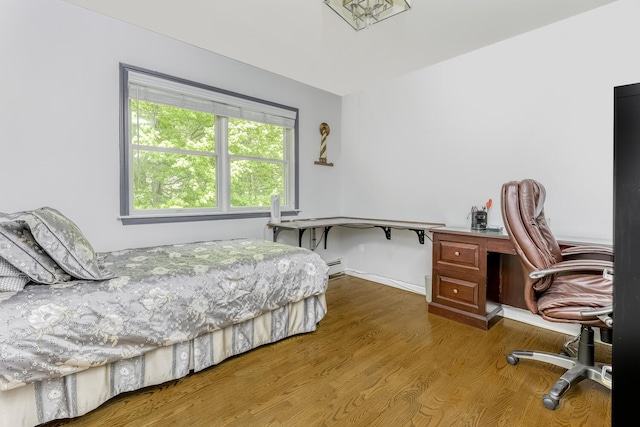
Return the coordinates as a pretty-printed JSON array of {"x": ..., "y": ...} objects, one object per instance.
[{"x": 79, "y": 393}]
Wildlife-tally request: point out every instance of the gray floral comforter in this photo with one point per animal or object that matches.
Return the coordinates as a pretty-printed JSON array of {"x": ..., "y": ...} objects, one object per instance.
[{"x": 160, "y": 296}]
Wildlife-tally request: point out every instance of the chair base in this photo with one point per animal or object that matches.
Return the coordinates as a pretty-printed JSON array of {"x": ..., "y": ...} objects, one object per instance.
[{"x": 578, "y": 368}]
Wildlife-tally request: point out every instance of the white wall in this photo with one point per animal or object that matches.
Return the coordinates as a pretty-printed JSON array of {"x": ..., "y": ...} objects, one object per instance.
[
  {"x": 59, "y": 125},
  {"x": 428, "y": 145},
  {"x": 425, "y": 146}
]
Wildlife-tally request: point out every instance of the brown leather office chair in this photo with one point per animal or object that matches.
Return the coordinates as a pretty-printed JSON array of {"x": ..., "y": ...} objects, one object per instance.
[{"x": 574, "y": 285}]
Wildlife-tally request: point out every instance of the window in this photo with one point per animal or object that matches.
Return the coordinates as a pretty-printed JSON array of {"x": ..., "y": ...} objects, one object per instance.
[{"x": 194, "y": 152}]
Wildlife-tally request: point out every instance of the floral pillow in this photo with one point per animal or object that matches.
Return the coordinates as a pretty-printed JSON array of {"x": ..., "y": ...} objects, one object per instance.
[
  {"x": 64, "y": 242},
  {"x": 11, "y": 279},
  {"x": 20, "y": 249}
]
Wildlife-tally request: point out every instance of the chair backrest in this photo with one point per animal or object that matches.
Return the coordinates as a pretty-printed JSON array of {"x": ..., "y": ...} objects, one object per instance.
[{"x": 522, "y": 205}]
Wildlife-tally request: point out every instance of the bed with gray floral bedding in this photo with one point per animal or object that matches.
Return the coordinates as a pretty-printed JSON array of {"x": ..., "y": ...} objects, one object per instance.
[{"x": 157, "y": 314}]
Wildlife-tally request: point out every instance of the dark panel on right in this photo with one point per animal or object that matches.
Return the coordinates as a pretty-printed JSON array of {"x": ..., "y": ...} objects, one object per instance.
[{"x": 626, "y": 239}]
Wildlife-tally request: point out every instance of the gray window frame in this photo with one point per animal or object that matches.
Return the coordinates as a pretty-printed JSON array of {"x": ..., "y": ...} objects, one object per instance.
[{"x": 125, "y": 214}]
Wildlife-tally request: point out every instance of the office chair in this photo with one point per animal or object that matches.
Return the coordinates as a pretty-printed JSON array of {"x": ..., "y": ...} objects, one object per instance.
[{"x": 573, "y": 285}]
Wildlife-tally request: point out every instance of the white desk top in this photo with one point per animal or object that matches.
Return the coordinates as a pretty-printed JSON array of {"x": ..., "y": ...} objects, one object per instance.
[{"x": 299, "y": 224}]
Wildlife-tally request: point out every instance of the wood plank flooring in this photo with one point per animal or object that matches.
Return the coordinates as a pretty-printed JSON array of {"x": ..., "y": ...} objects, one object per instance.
[{"x": 377, "y": 359}]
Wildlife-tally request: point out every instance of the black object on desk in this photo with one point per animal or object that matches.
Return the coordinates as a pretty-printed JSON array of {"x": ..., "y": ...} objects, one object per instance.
[{"x": 479, "y": 220}]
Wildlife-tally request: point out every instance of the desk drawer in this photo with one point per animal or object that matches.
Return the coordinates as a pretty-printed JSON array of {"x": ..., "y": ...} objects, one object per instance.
[
  {"x": 460, "y": 253},
  {"x": 462, "y": 291}
]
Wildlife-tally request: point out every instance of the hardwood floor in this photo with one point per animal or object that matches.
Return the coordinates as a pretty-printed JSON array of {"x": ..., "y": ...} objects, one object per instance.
[{"x": 377, "y": 359}]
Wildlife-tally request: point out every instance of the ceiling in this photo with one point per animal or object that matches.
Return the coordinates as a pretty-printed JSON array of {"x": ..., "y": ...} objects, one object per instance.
[{"x": 307, "y": 41}]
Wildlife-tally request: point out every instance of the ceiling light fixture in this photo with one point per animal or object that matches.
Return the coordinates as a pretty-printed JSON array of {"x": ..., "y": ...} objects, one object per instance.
[{"x": 364, "y": 13}]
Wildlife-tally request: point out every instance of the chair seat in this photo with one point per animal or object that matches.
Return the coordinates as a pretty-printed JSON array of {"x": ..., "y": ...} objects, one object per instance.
[{"x": 572, "y": 294}]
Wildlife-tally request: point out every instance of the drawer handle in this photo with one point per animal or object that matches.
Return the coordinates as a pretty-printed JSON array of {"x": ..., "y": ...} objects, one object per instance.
[
  {"x": 455, "y": 291},
  {"x": 456, "y": 253}
]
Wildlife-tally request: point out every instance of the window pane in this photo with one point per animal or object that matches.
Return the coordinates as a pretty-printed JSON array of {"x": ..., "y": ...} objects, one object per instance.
[
  {"x": 169, "y": 180},
  {"x": 254, "y": 139},
  {"x": 253, "y": 182},
  {"x": 171, "y": 127}
]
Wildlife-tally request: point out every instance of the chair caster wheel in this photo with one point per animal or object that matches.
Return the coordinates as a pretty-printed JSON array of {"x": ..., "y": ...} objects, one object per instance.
[
  {"x": 549, "y": 402},
  {"x": 512, "y": 360}
]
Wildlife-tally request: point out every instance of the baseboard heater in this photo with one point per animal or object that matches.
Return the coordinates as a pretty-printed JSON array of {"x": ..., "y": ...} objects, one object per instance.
[{"x": 335, "y": 267}]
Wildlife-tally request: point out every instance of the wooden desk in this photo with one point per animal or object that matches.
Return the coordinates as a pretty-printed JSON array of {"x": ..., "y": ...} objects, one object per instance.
[
  {"x": 327, "y": 223},
  {"x": 476, "y": 272}
]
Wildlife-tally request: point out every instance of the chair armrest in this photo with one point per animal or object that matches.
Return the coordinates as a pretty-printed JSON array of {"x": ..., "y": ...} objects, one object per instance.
[
  {"x": 603, "y": 314},
  {"x": 575, "y": 265},
  {"x": 585, "y": 250}
]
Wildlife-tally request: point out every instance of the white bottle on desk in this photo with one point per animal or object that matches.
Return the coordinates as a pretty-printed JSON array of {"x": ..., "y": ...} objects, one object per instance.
[{"x": 275, "y": 209}]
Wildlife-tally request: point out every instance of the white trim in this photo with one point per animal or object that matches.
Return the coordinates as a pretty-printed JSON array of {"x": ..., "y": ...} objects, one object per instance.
[
  {"x": 508, "y": 312},
  {"x": 386, "y": 281},
  {"x": 525, "y": 316}
]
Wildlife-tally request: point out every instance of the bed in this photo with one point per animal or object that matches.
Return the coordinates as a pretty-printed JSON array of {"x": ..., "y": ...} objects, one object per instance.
[{"x": 80, "y": 327}]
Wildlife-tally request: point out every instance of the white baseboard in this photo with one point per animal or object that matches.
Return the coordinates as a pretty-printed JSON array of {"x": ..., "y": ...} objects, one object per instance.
[
  {"x": 528, "y": 317},
  {"x": 386, "y": 281},
  {"x": 508, "y": 312}
]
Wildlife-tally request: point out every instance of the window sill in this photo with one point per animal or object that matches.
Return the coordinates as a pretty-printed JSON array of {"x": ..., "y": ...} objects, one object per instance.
[{"x": 167, "y": 218}]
